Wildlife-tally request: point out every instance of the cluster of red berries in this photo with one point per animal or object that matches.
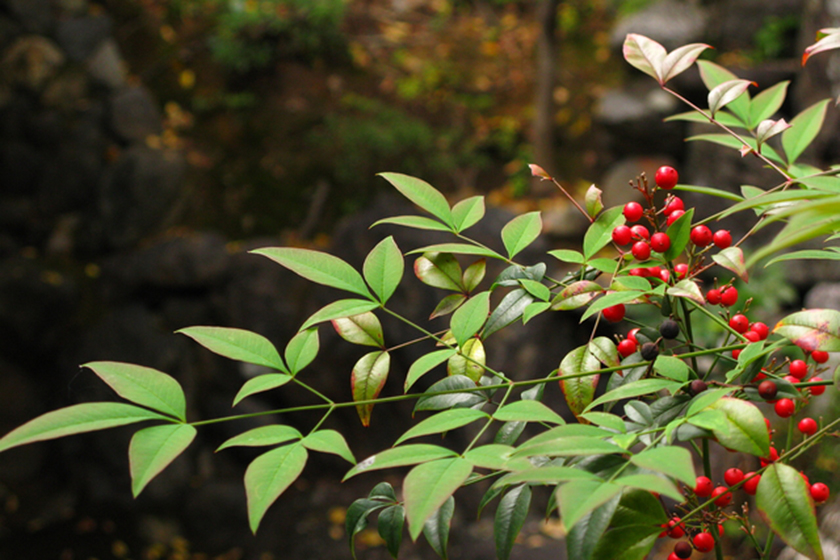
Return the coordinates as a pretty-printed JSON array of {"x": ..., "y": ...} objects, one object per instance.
[
  {"x": 739, "y": 323},
  {"x": 726, "y": 296},
  {"x": 785, "y": 407}
]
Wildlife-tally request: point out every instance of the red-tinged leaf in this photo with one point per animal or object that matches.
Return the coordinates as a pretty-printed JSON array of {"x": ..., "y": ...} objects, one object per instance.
[
  {"x": 732, "y": 259},
  {"x": 428, "y": 486},
  {"x": 268, "y": 476},
  {"x": 769, "y": 128},
  {"x": 422, "y": 194},
  {"x": 152, "y": 449},
  {"x": 645, "y": 54},
  {"x": 579, "y": 391},
  {"x": 687, "y": 289},
  {"x": 576, "y": 295},
  {"x": 364, "y": 329},
  {"x": 784, "y": 501},
  {"x": 369, "y": 376},
  {"x": 830, "y": 39},
  {"x": 680, "y": 59},
  {"x": 538, "y": 171},
  {"x": 318, "y": 267},
  {"x": 593, "y": 201},
  {"x": 338, "y": 309},
  {"x": 813, "y": 329},
  {"x": 727, "y": 92},
  {"x": 605, "y": 351},
  {"x": 439, "y": 270}
]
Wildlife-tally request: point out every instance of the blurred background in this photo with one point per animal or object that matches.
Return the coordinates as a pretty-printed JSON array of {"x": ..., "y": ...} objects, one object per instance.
[{"x": 147, "y": 145}]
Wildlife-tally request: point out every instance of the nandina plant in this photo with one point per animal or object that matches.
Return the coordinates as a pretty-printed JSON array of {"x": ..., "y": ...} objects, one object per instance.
[{"x": 622, "y": 474}]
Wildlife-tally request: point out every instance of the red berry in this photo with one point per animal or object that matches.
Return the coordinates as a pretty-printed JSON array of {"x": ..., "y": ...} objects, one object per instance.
[
  {"x": 614, "y": 313},
  {"x": 673, "y": 555},
  {"x": 798, "y": 369},
  {"x": 733, "y": 476},
  {"x": 641, "y": 250},
  {"x": 704, "y": 542},
  {"x": 739, "y": 323},
  {"x": 752, "y": 336},
  {"x": 808, "y": 426},
  {"x": 703, "y": 487},
  {"x": 673, "y": 203},
  {"x": 722, "y": 496},
  {"x": 674, "y": 216},
  {"x": 675, "y": 531},
  {"x": 819, "y": 492},
  {"x": 736, "y": 353},
  {"x": 713, "y": 296},
  {"x": 774, "y": 456},
  {"x": 640, "y": 232},
  {"x": 640, "y": 272},
  {"x": 681, "y": 269},
  {"x": 767, "y": 390},
  {"x": 622, "y": 235},
  {"x": 654, "y": 271},
  {"x": 633, "y": 211},
  {"x": 632, "y": 335},
  {"x": 819, "y": 356},
  {"x": 761, "y": 329},
  {"x": 805, "y": 478},
  {"x": 792, "y": 379},
  {"x": 751, "y": 484},
  {"x": 626, "y": 347},
  {"x": 817, "y": 389},
  {"x": 665, "y": 275},
  {"x": 660, "y": 242},
  {"x": 722, "y": 239},
  {"x": 701, "y": 236},
  {"x": 785, "y": 408},
  {"x": 666, "y": 177},
  {"x": 729, "y": 296}
]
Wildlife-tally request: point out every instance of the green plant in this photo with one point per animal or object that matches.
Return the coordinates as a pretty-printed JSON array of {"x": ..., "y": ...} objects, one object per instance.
[{"x": 610, "y": 469}]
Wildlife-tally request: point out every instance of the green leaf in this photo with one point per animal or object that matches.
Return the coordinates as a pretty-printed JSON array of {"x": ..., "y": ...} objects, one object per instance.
[
  {"x": 521, "y": 232},
  {"x": 390, "y": 527},
  {"x": 432, "y": 400},
  {"x": 579, "y": 497},
  {"x": 469, "y": 318},
  {"x": 706, "y": 398},
  {"x": 534, "y": 309},
  {"x": 576, "y": 295},
  {"x": 339, "y": 309},
  {"x": 428, "y": 485},
  {"x": 302, "y": 349},
  {"x": 422, "y": 194},
  {"x": 609, "y": 300},
  {"x": 606, "y": 420},
  {"x": 713, "y": 75},
  {"x": 273, "y": 434},
  {"x": 803, "y": 129},
  {"x": 651, "y": 483},
  {"x": 144, "y": 386},
  {"x": 329, "y": 441},
  {"x": 510, "y": 517},
  {"x": 536, "y": 289},
  {"x": 368, "y": 378},
  {"x": 448, "y": 305},
  {"x": 510, "y": 309},
  {"x": 671, "y": 367},
  {"x": 546, "y": 475},
  {"x": 813, "y": 329},
  {"x": 356, "y": 518},
  {"x": 474, "y": 274},
  {"x": 744, "y": 428},
  {"x": 443, "y": 422},
  {"x": 635, "y": 389},
  {"x": 261, "y": 383},
  {"x": 568, "y": 446},
  {"x": 416, "y": 222},
  {"x": 467, "y": 212},
  {"x": 425, "y": 364},
  {"x": 605, "y": 350},
  {"x": 383, "y": 268},
  {"x": 767, "y": 103},
  {"x": 469, "y": 362},
  {"x": 633, "y": 529},
  {"x": 77, "y": 419},
  {"x": 410, "y": 454},
  {"x": 732, "y": 142},
  {"x": 439, "y": 270},
  {"x": 237, "y": 344},
  {"x": 364, "y": 329},
  {"x": 318, "y": 267},
  {"x": 579, "y": 390},
  {"x": 710, "y": 191},
  {"x": 458, "y": 249},
  {"x": 527, "y": 411},
  {"x": 568, "y": 256},
  {"x": 673, "y": 461},
  {"x": 783, "y": 500},
  {"x": 693, "y": 116},
  {"x": 497, "y": 457},
  {"x": 599, "y": 233},
  {"x": 152, "y": 449},
  {"x": 732, "y": 259},
  {"x": 679, "y": 232},
  {"x": 588, "y": 532},
  {"x": 436, "y": 527},
  {"x": 268, "y": 476},
  {"x": 816, "y": 254}
]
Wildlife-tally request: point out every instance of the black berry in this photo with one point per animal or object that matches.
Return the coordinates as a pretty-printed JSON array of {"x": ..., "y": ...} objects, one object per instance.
[
  {"x": 682, "y": 550},
  {"x": 649, "y": 351},
  {"x": 669, "y": 329},
  {"x": 767, "y": 390},
  {"x": 698, "y": 386}
]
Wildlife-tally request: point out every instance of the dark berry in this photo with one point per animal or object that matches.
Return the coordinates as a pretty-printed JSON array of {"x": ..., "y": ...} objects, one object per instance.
[
  {"x": 682, "y": 550},
  {"x": 649, "y": 351},
  {"x": 669, "y": 329},
  {"x": 767, "y": 390},
  {"x": 697, "y": 386}
]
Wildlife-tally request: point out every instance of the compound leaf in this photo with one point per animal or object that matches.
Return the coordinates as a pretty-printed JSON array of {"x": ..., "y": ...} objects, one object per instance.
[{"x": 152, "y": 449}]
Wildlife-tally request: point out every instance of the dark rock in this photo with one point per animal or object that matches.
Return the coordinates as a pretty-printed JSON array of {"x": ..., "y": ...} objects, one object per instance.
[
  {"x": 9, "y": 31},
  {"x": 138, "y": 193},
  {"x": 69, "y": 91},
  {"x": 21, "y": 167},
  {"x": 31, "y": 62},
  {"x": 107, "y": 66},
  {"x": 81, "y": 36},
  {"x": 36, "y": 16},
  {"x": 134, "y": 114}
]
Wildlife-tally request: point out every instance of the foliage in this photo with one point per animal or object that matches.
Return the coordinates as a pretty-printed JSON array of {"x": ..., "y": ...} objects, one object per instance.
[{"x": 609, "y": 469}]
